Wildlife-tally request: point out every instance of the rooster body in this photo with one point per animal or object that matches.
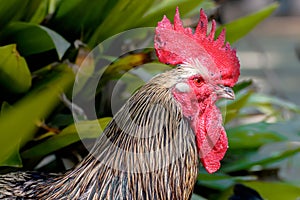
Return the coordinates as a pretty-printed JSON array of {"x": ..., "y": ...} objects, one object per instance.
[
  {"x": 109, "y": 173},
  {"x": 151, "y": 147}
]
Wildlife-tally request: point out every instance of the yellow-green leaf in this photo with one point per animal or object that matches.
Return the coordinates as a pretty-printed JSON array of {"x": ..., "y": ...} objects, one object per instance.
[
  {"x": 18, "y": 124},
  {"x": 69, "y": 135},
  {"x": 240, "y": 27},
  {"x": 14, "y": 73}
]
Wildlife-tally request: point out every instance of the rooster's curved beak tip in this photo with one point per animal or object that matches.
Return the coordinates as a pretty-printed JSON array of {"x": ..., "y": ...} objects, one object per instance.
[{"x": 225, "y": 92}]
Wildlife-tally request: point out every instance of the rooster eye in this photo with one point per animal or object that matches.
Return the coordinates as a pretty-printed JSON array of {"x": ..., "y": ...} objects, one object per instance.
[{"x": 198, "y": 81}]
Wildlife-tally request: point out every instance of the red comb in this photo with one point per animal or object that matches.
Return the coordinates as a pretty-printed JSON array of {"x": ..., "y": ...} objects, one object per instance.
[{"x": 175, "y": 44}]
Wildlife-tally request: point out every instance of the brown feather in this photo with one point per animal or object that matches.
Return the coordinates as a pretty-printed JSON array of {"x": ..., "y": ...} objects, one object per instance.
[{"x": 147, "y": 151}]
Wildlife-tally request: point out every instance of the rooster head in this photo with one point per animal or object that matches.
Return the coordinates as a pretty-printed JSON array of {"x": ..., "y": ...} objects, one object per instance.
[{"x": 207, "y": 69}]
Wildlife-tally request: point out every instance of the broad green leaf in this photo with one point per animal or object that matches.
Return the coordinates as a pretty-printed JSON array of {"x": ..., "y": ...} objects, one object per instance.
[
  {"x": 269, "y": 190},
  {"x": 80, "y": 18},
  {"x": 124, "y": 64},
  {"x": 11, "y": 10},
  {"x": 261, "y": 99},
  {"x": 123, "y": 16},
  {"x": 111, "y": 72},
  {"x": 252, "y": 136},
  {"x": 220, "y": 181},
  {"x": 40, "y": 12},
  {"x": 33, "y": 39},
  {"x": 263, "y": 157},
  {"x": 32, "y": 8},
  {"x": 13, "y": 159},
  {"x": 197, "y": 197},
  {"x": 289, "y": 168},
  {"x": 242, "y": 85},
  {"x": 18, "y": 124},
  {"x": 5, "y": 107},
  {"x": 61, "y": 120},
  {"x": 69, "y": 135},
  {"x": 240, "y": 27},
  {"x": 14, "y": 73},
  {"x": 158, "y": 10},
  {"x": 232, "y": 108}
]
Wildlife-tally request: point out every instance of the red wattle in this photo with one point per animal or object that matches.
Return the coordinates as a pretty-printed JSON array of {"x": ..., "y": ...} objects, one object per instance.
[{"x": 211, "y": 138}]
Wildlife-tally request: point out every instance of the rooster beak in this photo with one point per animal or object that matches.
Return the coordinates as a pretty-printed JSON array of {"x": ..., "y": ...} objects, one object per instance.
[{"x": 225, "y": 92}]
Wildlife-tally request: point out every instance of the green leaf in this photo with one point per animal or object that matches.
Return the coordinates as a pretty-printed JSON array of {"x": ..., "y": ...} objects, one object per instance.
[
  {"x": 5, "y": 107},
  {"x": 242, "y": 85},
  {"x": 34, "y": 39},
  {"x": 14, "y": 73},
  {"x": 220, "y": 181},
  {"x": 124, "y": 64},
  {"x": 124, "y": 15},
  {"x": 288, "y": 169},
  {"x": 32, "y": 8},
  {"x": 240, "y": 27},
  {"x": 232, "y": 108},
  {"x": 252, "y": 136},
  {"x": 69, "y": 135},
  {"x": 270, "y": 190},
  {"x": 13, "y": 159},
  {"x": 40, "y": 12},
  {"x": 167, "y": 8},
  {"x": 197, "y": 197},
  {"x": 87, "y": 17},
  {"x": 263, "y": 157},
  {"x": 18, "y": 124},
  {"x": 261, "y": 99},
  {"x": 10, "y": 10}
]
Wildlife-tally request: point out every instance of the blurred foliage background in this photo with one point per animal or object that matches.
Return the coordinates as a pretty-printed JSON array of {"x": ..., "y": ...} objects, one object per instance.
[{"x": 44, "y": 43}]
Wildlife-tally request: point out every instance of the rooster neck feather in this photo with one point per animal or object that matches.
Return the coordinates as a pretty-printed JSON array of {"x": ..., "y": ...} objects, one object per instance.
[{"x": 148, "y": 151}]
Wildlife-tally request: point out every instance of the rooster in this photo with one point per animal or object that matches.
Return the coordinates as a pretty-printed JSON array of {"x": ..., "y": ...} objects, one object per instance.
[{"x": 152, "y": 147}]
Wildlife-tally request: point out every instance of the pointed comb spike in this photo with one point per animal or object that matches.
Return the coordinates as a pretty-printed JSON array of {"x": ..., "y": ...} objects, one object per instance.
[
  {"x": 165, "y": 23},
  {"x": 227, "y": 46},
  {"x": 221, "y": 38},
  {"x": 213, "y": 30},
  {"x": 201, "y": 28},
  {"x": 177, "y": 21},
  {"x": 203, "y": 19}
]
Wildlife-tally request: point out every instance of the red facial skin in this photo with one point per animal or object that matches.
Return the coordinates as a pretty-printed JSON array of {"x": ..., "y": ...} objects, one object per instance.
[
  {"x": 175, "y": 44},
  {"x": 199, "y": 107}
]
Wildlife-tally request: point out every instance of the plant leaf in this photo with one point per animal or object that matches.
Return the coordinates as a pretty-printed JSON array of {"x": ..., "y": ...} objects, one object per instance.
[
  {"x": 252, "y": 136},
  {"x": 34, "y": 39},
  {"x": 240, "y": 27},
  {"x": 72, "y": 11},
  {"x": 261, "y": 99},
  {"x": 269, "y": 190},
  {"x": 69, "y": 135},
  {"x": 232, "y": 108},
  {"x": 263, "y": 157},
  {"x": 14, "y": 73},
  {"x": 123, "y": 16},
  {"x": 18, "y": 124},
  {"x": 220, "y": 181},
  {"x": 167, "y": 8},
  {"x": 9, "y": 11},
  {"x": 197, "y": 197}
]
